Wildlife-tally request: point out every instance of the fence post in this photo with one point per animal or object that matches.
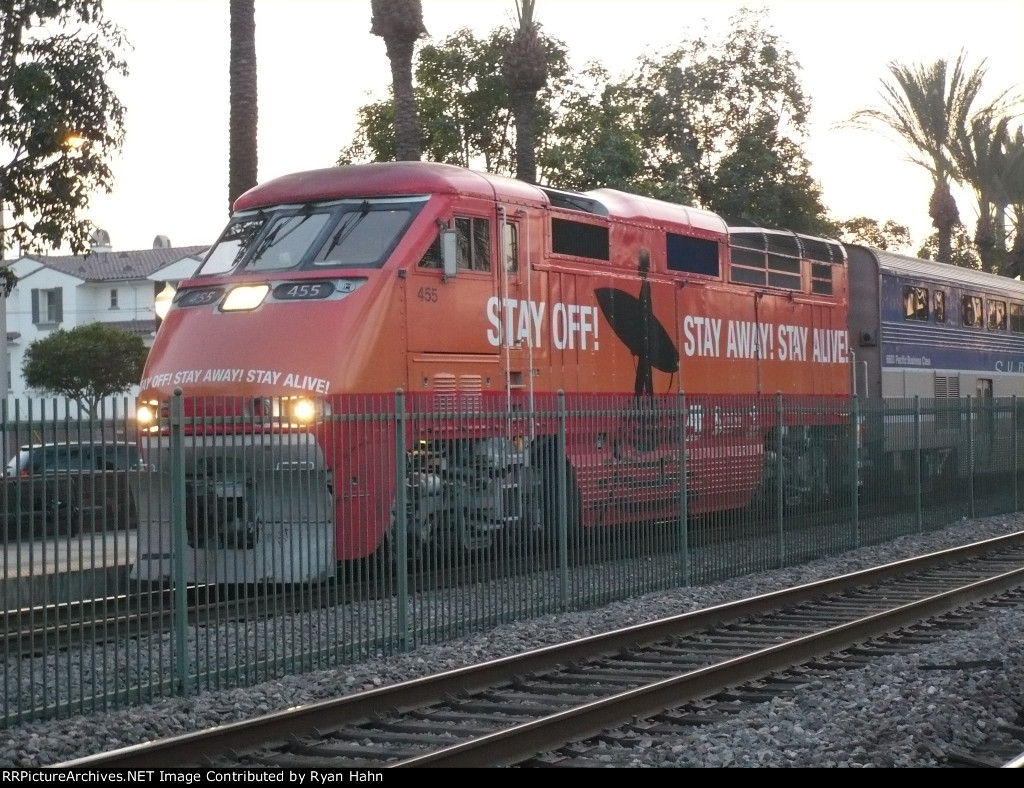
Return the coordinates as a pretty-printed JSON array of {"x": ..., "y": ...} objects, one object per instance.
[
  {"x": 180, "y": 541},
  {"x": 972, "y": 454},
  {"x": 684, "y": 503},
  {"x": 854, "y": 476},
  {"x": 780, "y": 481},
  {"x": 562, "y": 483},
  {"x": 917, "y": 462},
  {"x": 1013, "y": 429},
  {"x": 401, "y": 526}
]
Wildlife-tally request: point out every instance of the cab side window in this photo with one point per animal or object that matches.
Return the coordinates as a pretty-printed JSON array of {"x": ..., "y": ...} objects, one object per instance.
[
  {"x": 473, "y": 245},
  {"x": 473, "y": 242}
]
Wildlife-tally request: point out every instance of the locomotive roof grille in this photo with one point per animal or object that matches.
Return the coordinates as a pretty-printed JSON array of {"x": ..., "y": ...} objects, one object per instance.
[{"x": 787, "y": 243}]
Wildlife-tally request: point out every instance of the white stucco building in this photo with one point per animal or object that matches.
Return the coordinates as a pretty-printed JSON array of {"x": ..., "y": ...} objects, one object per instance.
[{"x": 55, "y": 292}]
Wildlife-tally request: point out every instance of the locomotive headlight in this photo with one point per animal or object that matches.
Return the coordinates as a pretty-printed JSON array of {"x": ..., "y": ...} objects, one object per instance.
[
  {"x": 146, "y": 414},
  {"x": 245, "y": 298},
  {"x": 303, "y": 411},
  {"x": 300, "y": 411}
]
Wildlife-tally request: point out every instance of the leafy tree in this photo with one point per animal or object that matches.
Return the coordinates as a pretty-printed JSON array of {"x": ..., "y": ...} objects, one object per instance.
[
  {"x": 524, "y": 68},
  {"x": 400, "y": 24},
  {"x": 464, "y": 107},
  {"x": 931, "y": 107},
  {"x": 244, "y": 110},
  {"x": 962, "y": 250},
  {"x": 1014, "y": 179},
  {"x": 592, "y": 144},
  {"x": 58, "y": 116},
  {"x": 979, "y": 155},
  {"x": 717, "y": 116},
  {"x": 717, "y": 124},
  {"x": 85, "y": 363},
  {"x": 889, "y": 236},
  {"x": 768, "y": 179}
]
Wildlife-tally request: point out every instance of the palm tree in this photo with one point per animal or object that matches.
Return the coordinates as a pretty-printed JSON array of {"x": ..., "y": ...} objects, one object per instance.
[
  {"x": 242, "y": 158},
  {"x": 400, "y": 24},
  {"x": 980, "y": 156},
  {"x": 524, "y": 68},
  {"x": 1014, "y": 181},
  {"x": 930, "y": 106}
]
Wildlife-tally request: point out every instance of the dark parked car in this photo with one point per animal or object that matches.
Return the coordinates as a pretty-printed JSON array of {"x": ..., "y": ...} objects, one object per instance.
[
  {"x": 68, "y": 488},
  {"x": 97, "y": 456}
]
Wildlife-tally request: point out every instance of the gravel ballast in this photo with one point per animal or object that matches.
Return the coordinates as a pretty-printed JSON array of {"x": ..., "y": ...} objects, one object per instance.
[{"x": 897, "y": 712}]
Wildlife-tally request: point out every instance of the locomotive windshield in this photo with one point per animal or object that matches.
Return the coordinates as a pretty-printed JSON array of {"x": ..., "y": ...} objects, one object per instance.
[{"x": 340, "y": 234}]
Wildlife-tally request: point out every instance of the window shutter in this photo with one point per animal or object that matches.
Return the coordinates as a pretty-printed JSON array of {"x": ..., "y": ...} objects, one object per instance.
[
  {"x": 59, "y": 300},
  {"x": 35, "y": 305}
]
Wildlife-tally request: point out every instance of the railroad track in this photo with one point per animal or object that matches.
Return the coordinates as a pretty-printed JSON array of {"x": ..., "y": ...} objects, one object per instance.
[
  {"x": 45, "y": 629},
  {"x": 37, "y": 630},
  {"x": 542, "y": 707}
]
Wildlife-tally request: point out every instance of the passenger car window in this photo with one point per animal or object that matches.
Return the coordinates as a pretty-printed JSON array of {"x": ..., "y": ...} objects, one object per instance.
[
  {"x": 971, "y": 311},
  {"x": 915, "y": 303}
]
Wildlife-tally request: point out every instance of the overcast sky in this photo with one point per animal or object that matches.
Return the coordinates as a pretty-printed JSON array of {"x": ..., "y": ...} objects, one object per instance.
[{"x": 318, "y": 62}]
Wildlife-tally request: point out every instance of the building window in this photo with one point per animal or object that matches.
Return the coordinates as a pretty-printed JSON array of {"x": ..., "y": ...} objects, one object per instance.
[
  {"x": 113, "y": 298},
  {"x": 47, "y": 306}
]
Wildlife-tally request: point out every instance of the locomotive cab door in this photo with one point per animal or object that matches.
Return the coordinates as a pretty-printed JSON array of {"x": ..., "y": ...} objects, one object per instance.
[
  {"x": 450, "y": 348},
  {"x": 519, "y": 312}
]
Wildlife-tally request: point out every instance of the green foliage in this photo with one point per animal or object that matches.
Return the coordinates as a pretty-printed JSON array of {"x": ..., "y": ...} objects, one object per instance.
[
  {"x": 464, "y": 108},
  {"x": 58, "y": 117},
  {"x": 592, "y": 143},
  {"x": 715, "y": 123},
  {"x": 723, "y": 123},
  {"x": 86, "y": 363},
  {"x": 889, "y": 236},
  {"x": 963, "y": 253}
]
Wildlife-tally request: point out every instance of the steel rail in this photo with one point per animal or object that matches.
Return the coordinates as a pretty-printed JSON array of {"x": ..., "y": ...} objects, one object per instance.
[{"x": 517, "y": 742}]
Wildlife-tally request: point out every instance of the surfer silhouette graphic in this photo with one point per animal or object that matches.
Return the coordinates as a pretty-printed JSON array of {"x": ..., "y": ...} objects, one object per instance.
[{"x": 633, "y": 321}]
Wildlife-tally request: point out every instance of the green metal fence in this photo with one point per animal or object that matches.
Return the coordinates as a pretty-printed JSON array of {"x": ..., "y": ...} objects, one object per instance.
[{"x": 209, "y": 548}]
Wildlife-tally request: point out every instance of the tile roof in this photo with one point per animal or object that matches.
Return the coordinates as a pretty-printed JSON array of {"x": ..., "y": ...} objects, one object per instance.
[
  {"x": 142, "y": 328},
  {"x": 112, "y": 266}
]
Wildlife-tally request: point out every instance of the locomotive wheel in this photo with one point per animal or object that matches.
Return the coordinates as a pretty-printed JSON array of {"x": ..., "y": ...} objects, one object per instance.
[
  {"x": 804, "y": 479},
  {"x": 432, "y": 537}
]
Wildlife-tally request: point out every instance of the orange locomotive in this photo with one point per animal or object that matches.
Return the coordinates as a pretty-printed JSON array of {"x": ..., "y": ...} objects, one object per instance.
[{"x": 472, "y": 291}]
